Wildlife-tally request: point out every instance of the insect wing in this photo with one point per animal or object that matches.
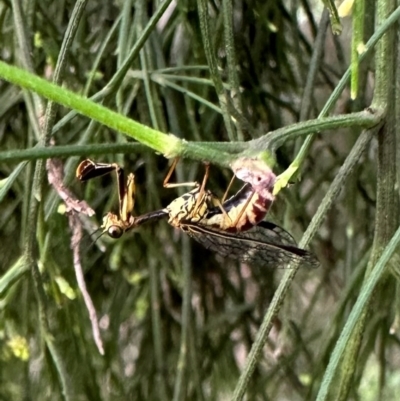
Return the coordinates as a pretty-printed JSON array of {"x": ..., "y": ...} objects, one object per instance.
[
  {"x": 274, "y": 233},
  {"x": 267, "y": 245}
]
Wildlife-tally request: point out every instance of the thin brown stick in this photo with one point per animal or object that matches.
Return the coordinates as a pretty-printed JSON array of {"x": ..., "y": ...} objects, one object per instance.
[{"x": 74, "y": 206}]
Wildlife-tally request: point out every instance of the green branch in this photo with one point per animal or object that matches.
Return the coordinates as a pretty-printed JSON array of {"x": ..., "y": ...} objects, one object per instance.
[
  {"x": 37, "y": 152},
  {"x": 168, "y": 145},
  {"x": 364, "y": 119}
]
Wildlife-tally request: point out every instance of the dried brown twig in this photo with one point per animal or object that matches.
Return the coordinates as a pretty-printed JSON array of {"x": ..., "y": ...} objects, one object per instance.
[{"x": 74, "y": 207}]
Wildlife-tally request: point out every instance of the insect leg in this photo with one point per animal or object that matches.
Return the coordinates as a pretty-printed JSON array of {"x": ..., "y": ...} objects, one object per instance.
[
  {"x": 240, "y": 214},
  {"x": 88, "y": 169},
  {"x": 127, "y": 202},
  {"x": 220, "y": 205},
  {"x": 167, "y": 184},
  {"x": 201, "y": 194},
  {"x": 228, "y": 188}
]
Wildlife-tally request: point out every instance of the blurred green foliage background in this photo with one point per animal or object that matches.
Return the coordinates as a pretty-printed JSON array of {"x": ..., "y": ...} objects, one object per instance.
[{"x": 177, "y": 321}]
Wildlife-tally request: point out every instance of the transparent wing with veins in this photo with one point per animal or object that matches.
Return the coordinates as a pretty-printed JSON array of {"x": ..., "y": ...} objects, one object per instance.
[{"x": 267, "y": 245}]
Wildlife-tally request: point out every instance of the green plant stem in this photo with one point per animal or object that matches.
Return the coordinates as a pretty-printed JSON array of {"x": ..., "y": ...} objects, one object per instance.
[
  {"x": 315, "y": 63},
  {"x": 341, "y": 368},
  {"x": 333, "y": 13},
  {"x": 99, "y": 56},
  {"x": 13, "y": 275},
  {"x": 301, "y": 156},
  {"x": 115, "y": 82},
  {"x": 35, "y": 201},
  {"x": 34, "y": 104},
  {"x": 357, "y": 311},
  {"x": 273, "y": 140},
  {"x": 159, "y": 353},
  {"x": 204, "y": 17},
  {"x": 172, "y": 146},
  {"x": 357, "y": 42},
  {"x": 160, "y": 142},
  {"x": 181, "y": 368},
  {"x": 232, "y": 63},
  {"x": 71, "y": 150},
  {"x": 332, "y": 194},
  {"x": 144, "y": 56},
  {"x": 164, "y": 81}
]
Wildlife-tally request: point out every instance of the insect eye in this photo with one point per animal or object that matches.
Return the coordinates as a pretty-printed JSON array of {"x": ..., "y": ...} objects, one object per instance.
[{"x": 115, "y": 232}]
